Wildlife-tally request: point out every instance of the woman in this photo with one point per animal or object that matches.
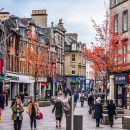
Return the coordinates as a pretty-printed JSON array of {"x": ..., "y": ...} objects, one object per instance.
[
  {"x": 58, "y": 108},
  {"x": 17, "y": 116},
  {"x": 111, "y": 111},
  {"x": 33, "y": 110},
  {"x": 98, "y": 112}
]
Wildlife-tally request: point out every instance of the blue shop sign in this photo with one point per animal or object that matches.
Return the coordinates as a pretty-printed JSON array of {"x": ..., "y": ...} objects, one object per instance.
[{"x": 120, "y": 79}]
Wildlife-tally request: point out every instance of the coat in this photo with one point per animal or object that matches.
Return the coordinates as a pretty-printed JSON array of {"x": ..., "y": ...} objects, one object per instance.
[
  {"x": 111, "y": 109},
  {"x": 98, "y": 110},
  {"x": 30, "y": 109},
  {"x": 90, "y": 100},
  {"x": 14, "y": 109},
  {"x": 58, "y": 108}
]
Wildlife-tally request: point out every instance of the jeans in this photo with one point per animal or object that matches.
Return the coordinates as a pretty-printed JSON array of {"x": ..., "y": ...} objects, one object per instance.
[
  {"x": 17, "y": 124},
  {"x": 33, "y": 120},
  {"x": 97, "y": 122}
]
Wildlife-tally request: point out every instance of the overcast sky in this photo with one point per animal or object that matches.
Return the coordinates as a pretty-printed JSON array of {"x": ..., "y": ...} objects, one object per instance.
[{"x": 76, "y": 14}]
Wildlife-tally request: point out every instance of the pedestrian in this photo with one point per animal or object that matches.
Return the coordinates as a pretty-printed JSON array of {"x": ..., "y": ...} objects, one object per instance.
[
  {"x": 67, "y": 110},
  {"x": 17, "y": 117},
  {"x": 90, "y": 102},
  {"x": 111, "y": 111},
  {"x": 22, "y": 97},
  {"x": 58, "y": 109},
  {"x": 76, "y": 98},
  {"x": 33, "y": 110},
  {"x": 82, "y": 100},
  {"x": 98, "y": 112},
  {"x": 65, "y": 93},
  {"x": 2, "y": 101},
  {"x": 7, "y": 98}
]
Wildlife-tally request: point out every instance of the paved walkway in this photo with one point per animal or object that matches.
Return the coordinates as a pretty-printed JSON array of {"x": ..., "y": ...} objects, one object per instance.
[{"x": 48, "y": 122}]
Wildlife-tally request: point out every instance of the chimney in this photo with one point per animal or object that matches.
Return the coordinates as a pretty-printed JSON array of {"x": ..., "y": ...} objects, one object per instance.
[
  {"x": 74, "y": 36},
  {"x": 40, "y": 18},
  {"x": 4, "y": 15}
]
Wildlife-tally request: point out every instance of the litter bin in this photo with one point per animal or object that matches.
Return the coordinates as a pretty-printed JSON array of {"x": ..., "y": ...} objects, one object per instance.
[
  {"x": 78, "y": 122},
  {"x": 25, "y": 100},
  {"x": 126, "y": 122}
]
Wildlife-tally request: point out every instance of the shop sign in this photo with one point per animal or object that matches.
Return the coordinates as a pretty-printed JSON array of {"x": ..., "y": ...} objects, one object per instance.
[{"x": 120, "y": 79}]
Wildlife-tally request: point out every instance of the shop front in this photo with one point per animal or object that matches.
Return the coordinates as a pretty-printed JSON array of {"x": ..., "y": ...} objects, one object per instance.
[{"x": 120, "y": 83}]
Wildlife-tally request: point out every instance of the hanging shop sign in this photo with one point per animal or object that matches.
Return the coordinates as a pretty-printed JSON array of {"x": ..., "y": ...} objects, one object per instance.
[{"x": 120, "y": 79}]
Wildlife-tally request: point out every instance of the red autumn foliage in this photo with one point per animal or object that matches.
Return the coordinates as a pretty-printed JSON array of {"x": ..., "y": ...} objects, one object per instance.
[{"x": 107, "y": 54}]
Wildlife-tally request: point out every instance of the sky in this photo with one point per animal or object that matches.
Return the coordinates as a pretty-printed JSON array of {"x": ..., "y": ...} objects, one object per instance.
[{"x": 76, "y": 14}]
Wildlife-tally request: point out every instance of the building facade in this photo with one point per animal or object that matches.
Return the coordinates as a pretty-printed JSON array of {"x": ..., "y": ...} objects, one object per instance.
[
  {"x": 75, "y": 64},
  {"x": 119, "y": 83}
]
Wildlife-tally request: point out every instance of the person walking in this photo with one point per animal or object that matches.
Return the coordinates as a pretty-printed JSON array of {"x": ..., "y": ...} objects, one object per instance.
[
  {"x": 76, "y": 98},
  {"x": 58, "y": 109},
  {"x": 98, "y": 112},
  {"x": 82, "y": 100},
  {"x": 111, "y": 111},
  {"x": 90, "y": 102},
  {"x": 67, "y": 111},
  {"x": 17, "y": 109},
  {"x": 33, "y": 110}
]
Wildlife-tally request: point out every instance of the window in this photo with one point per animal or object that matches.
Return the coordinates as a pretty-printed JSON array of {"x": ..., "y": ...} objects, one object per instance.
[
  {"x": 73, "y": 57},
  {"x": 125, "y": 53},
  {"x": 73, "y": 70},
  {"x": 125, "y": 21},
  {"x": 73, "y": 47},
  {"x": 116, "y": 24},
  {"x": 116, "y": 2}
]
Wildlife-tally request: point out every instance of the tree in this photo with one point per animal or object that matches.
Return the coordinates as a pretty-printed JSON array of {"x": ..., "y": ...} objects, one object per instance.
[{"x": 107, "y": 53}]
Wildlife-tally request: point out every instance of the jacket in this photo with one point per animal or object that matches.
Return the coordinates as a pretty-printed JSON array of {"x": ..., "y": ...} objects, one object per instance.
[
  {"x": 98, "y": 110},
  {"x": 111, "y": 109},
  {"x": 67, "y": 108},
  {"x": 14, "y": 109},
  {"x": 36, "y": 106}
]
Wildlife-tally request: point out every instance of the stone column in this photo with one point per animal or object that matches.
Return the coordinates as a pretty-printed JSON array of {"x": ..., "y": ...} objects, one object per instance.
[{"x": 111, "y": 86}]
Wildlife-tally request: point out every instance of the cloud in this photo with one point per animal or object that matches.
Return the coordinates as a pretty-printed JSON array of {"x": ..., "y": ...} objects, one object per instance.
[{"x": 76, "y": 14}]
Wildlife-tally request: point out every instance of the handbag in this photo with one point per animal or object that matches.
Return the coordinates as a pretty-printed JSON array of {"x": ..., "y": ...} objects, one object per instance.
[{"x": 39, "y": 116}]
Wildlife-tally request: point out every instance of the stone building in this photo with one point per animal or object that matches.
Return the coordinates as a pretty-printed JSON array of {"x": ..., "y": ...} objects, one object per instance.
[
  {"x": 119, "y": 80},
  {"x": 75, "y": 63}
]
